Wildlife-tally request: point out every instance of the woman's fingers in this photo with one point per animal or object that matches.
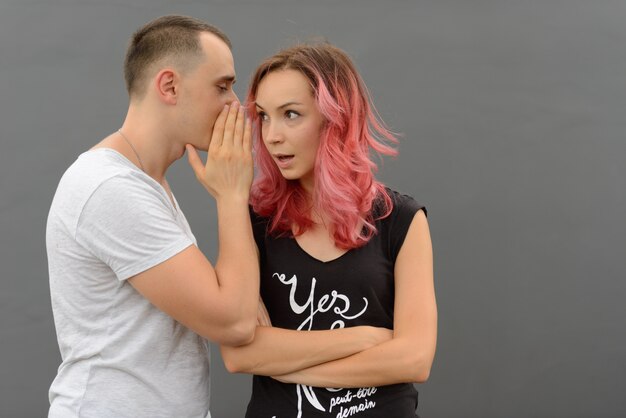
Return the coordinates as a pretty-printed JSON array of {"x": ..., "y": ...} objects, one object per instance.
[{"x": 263, "y": 318}]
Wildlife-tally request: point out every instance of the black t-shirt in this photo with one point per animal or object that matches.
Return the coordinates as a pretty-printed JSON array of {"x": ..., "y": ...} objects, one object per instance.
[{"x": 301, "y": 292}]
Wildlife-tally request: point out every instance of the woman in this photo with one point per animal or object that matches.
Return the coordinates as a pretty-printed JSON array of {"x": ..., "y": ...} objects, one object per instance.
[{"x": 342, "y": 257}]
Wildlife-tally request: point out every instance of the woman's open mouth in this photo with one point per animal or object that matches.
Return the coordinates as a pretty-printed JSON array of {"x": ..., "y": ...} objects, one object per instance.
[{"x": 283, "y": 160}]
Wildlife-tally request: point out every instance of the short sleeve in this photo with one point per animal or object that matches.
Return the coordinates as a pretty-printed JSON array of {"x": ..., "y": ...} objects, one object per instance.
[
  {"x": 129, "y": 225},
  {"x": 259, "y": 230},
  {"x": 402, "y": 214}
]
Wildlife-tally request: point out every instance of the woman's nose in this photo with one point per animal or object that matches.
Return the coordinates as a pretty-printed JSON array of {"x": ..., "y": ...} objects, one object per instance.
[{"x": 272, "y": 134}]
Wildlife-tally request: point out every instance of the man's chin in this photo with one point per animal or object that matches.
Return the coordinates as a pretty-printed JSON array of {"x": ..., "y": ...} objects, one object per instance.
[{"x": 201, "y": 147}]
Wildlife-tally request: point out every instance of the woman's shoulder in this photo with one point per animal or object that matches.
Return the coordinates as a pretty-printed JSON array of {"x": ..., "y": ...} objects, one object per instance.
[
  {"x": 403, "y": 203},
  {"x": 259, "y": 224},
  {"x": 254, "y": 216},
  {"x": 394, "y": 227}
]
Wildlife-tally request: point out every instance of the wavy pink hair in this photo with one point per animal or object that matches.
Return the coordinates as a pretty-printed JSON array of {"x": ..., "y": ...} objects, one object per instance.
[{"x": 345, "y": 189}]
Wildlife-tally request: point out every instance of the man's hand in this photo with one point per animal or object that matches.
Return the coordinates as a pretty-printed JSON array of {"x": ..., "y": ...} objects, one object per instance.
[{"x": 228, "y": 171}]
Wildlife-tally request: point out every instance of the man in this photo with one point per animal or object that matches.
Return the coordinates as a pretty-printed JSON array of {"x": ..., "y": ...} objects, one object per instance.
[{"x": 132, "y": 295}]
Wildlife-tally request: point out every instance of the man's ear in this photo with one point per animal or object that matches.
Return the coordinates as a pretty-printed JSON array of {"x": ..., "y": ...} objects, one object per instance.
[{"x": 167, "y": 85}]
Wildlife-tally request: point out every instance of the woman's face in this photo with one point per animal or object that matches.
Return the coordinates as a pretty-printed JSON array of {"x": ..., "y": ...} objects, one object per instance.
[{"x": 291, "y": 124}]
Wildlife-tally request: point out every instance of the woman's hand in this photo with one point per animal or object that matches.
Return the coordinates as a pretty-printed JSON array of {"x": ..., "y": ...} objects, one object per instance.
[
  {"x": 263, "y": 318},
  {"x": 379, "y": 335},
  {"x": 278, "y": 352},
  {"x": 229, "y": 169},
  {"x": 408, "y": 356}
]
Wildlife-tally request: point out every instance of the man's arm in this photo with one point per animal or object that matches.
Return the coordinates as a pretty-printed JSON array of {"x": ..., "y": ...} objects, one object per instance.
[{"x": 219, "y": 304}]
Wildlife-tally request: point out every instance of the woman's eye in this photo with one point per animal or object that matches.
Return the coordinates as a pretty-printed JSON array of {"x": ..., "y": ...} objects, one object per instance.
[
  {"x": 290, "y": 114},
  {"x": 262, "y": 116},
  {"x": 223, "y": 89}
]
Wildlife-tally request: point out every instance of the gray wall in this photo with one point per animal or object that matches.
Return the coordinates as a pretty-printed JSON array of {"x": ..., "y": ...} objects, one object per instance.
[{"x": 513, "y": 115}]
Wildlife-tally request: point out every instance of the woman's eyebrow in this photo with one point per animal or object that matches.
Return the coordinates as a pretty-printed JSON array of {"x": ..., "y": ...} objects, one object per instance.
[{"x": 281, "y": 106}]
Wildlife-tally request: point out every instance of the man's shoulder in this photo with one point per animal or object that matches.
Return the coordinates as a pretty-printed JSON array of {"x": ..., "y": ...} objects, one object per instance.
[
  {"x": 99, "y": 166},
  {"x": 96, "y": 166},
  {"x": 86, "y": 176}
]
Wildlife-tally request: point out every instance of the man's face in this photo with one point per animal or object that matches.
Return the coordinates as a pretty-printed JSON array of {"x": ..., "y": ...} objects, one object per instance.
[{"x": 206, "y": 89}]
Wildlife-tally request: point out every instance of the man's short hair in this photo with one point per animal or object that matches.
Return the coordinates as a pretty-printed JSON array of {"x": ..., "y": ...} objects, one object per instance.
[{"x": 171, "y": 37}]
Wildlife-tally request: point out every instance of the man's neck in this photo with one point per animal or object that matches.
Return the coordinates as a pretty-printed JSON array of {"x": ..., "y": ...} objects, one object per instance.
[{"x": 155, "y": 147}]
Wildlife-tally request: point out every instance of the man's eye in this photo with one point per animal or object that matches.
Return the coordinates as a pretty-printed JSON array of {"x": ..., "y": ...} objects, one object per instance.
[{"x": 223, "y": 88}]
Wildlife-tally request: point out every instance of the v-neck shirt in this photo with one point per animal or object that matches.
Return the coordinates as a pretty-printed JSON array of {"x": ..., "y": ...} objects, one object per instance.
[{"x": 356, "y": 288}]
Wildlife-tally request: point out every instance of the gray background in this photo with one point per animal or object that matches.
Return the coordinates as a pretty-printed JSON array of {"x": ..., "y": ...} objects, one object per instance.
[{"x": 512, "y": 116}]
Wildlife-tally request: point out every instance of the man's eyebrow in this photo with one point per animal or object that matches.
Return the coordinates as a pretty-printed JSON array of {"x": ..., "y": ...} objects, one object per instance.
[
  {"x": 228, "y": 79},
  {"x": 281, "y": 106}
]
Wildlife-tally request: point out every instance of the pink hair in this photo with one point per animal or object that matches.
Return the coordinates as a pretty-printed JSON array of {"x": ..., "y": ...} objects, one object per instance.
[{"x": 345, "y": 189}]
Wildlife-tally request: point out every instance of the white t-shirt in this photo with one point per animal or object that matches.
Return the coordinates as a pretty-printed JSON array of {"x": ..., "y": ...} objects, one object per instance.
[{"x": 122, "y": 357}]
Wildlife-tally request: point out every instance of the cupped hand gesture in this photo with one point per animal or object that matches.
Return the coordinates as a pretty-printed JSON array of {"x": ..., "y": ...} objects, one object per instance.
[{"x": 228, "y": 170}]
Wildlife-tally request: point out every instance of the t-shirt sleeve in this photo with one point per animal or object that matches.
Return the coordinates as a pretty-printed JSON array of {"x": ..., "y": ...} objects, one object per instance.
[
  {"x": 130, "y": 226},
  {"x": 404, "y": 210},
  {"x": 259, "y": 229}
]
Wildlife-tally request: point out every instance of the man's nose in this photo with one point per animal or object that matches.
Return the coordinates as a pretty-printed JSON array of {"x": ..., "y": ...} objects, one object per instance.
[{"x": 232, "y": 98}]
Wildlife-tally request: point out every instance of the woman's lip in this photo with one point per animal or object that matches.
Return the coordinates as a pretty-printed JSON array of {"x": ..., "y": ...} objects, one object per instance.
[{"x": 283, "y": 160}]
